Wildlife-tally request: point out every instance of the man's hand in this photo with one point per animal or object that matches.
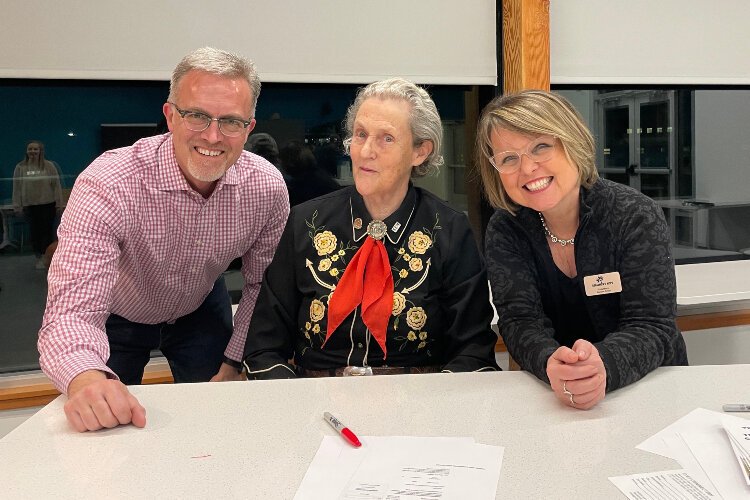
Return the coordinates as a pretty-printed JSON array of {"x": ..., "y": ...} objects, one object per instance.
[
  {"x": 95, "y": 402},
  {"x": 227, "y": 373},
  {"x": 580, "y": 371}
]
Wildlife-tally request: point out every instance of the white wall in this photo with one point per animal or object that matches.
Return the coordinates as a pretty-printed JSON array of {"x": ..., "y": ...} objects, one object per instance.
[
  {"x": 722, "y": 145},
  {"x": 583, "y": 100},
  {"x": 334, "y": 41},
  {"x": 719, "y": 346},
  {"x": 10, "y": 419}
]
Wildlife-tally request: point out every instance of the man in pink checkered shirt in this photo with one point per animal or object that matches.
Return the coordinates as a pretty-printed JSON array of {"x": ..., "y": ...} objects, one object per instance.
[{"x": 147, "y": 232}]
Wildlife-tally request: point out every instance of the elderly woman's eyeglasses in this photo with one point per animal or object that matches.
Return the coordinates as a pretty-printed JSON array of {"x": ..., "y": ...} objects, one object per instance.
[
  {"x": 538, "y": 151},
  {"x": 198, "y": 122}
]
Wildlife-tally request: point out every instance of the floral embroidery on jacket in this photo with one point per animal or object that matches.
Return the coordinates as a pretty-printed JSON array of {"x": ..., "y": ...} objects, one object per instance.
[
  {"x": 410, "y": 270},
  {"x": 410, "y": 263}
]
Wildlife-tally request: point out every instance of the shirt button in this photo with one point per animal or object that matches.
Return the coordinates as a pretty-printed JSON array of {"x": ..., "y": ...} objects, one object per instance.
[
  {"x": 359, "y": 345},
  {"x": 199, "y": 242}
]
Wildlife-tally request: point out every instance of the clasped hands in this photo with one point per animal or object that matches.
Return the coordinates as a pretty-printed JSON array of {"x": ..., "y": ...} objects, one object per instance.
[{"x": 577, "y": 375}]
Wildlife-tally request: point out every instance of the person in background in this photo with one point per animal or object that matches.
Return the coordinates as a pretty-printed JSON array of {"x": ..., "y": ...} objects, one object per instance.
[
  {"x": 144, "y": 239},
  {"x": 380, "y": 277},
  {"x": 37, "y": 194},
  {"x": 264, "y": 145},
  {"x": 304, "y": 179},
  {"x": 581, "y": 270}
]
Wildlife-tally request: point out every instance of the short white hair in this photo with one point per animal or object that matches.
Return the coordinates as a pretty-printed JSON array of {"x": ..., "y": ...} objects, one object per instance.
[{"x": 424, "y": 118}]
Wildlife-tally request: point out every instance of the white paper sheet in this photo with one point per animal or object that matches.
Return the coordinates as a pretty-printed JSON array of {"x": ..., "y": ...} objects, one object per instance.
[
  {"x": 713, "y": 452},
  {"x": 699, "y": 443},
  {"x": 739, "y": 436},
  {"x": 671, "y": 484},
  {"x": 403, "y": 467}
]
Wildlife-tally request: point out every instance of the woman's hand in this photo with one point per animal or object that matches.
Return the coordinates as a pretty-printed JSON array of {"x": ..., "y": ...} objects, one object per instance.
[{"x": 577, "y": 376}]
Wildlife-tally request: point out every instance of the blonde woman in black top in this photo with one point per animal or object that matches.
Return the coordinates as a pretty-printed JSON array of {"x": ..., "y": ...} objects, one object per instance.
[{"x": 580, "y": 267}]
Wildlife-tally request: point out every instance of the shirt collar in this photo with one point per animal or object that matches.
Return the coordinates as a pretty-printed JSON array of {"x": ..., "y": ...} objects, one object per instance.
[{"x": 396, "y": 223}]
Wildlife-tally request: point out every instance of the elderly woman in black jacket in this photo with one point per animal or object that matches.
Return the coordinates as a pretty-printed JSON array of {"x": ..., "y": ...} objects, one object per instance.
[
  {"x": 580, "y": 267},
  {"x": 380, "y": 277}
]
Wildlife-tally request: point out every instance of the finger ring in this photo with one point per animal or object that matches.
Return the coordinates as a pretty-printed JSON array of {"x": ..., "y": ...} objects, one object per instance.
[
  {"x": 566, "y": 391},
  {"x": 573, "y": 403}
]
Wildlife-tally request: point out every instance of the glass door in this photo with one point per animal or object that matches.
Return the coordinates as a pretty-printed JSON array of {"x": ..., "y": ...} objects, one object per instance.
[{"x": 635, "y": 129}]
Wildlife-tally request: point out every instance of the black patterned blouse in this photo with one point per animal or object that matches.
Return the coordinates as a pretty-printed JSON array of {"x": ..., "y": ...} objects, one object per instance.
[
  {"x": 441, "y": 311},
  {"x": 620, "y": 230}
]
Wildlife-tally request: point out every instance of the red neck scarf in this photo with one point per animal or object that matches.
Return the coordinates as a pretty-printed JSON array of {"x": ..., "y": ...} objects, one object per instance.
[{"x": 367, "y": 280}]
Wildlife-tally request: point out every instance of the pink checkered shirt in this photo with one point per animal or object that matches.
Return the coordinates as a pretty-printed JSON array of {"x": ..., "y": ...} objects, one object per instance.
[{"x": 137, "y": 241}]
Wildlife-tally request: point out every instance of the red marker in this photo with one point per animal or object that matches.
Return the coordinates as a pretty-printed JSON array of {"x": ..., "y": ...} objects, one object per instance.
[{"x": 342, "y": 429}]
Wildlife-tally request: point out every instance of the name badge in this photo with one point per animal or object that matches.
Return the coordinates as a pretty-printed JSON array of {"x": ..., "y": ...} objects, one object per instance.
[{"x": 601, "y": 284}]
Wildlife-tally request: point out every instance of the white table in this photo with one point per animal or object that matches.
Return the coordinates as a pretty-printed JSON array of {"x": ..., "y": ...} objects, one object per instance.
[{"x": 256, "y": 439}]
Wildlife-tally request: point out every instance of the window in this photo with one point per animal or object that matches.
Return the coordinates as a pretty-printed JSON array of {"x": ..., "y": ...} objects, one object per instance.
[{"x": 687, "y": 148}]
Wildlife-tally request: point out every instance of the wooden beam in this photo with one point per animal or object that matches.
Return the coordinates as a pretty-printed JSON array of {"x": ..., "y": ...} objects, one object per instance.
[
  {"x": 40, "y": 394},
  {"x": 713, "y": 320},
  {"x": 525, "y": 45}
]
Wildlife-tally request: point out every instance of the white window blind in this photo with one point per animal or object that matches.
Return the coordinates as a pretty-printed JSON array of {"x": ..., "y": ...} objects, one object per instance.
[
  {"x": 330, "y": 41},
  {"x": 698, "y": 42}
]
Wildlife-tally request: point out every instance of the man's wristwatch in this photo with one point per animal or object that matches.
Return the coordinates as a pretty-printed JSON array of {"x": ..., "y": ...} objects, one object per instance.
[{"x": 234, "y": 364}]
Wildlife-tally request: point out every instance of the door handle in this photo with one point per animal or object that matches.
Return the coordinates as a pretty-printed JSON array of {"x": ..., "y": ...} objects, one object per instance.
[{"x": 630, "y": 169}]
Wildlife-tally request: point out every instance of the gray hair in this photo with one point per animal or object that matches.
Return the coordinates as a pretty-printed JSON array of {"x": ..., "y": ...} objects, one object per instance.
[
  {"x": 217, "y": 62},
  {"x": 424, "y": 118}
]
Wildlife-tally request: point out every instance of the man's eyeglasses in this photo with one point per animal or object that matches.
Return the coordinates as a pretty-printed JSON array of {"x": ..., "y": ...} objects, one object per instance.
[
  {"x": 198, "y": 122},
  {"x": 540, "y": 150}
]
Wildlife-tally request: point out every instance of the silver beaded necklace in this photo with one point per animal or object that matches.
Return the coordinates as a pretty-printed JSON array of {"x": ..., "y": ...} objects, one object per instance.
[{"x": 554, "y": 238}]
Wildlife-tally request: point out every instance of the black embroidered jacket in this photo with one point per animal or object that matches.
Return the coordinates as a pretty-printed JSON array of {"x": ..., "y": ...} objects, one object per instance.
[{"x": 441, "y": 310}]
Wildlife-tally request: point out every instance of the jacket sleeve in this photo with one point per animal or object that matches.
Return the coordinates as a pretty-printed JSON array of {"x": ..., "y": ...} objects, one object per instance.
[
  {"x": 270, "y": 337},
  {"x": 54, "y": 174},
  {"x": 18, "y": 187},
  {"x": 646, "y": 336},
  {"x": 465, "y": 297},
  {"x": 527, "y": 332}
]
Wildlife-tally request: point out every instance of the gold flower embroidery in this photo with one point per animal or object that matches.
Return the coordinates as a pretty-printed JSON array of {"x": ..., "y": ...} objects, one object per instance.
[
  {"x": 317, "y": 310},
  {"x": 415, "y": 264},
  {"x": 422, "y": 335},
  {"x": 342, "y": 253},
  {"x": 421, "y": 345},
  {"x": 399, "y": 302},
  {"x": 334, "y": 272},
  {"x": 308, "y": 326},
  {"x": 403, "y": 273},
  {"x": 316, "y": 328},
  {"x": 416, "y": 318},
  {"x": 407, "y": 257},
  {"x": 324, "y": 265},
  {"x": 334, "y": 258},
  {"x": 412, "y": 336},
  {"x": 419, "y": 242},
  {"x": 401, "y": 251},
  {"x": 324, "y": 242}
]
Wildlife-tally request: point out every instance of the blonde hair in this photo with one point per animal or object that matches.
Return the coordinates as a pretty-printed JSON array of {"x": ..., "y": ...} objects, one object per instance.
[
  {"x": 424, "y": 118},
  {"x": 40, "y": 159},
  {"x": 534, "y": 113}
]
